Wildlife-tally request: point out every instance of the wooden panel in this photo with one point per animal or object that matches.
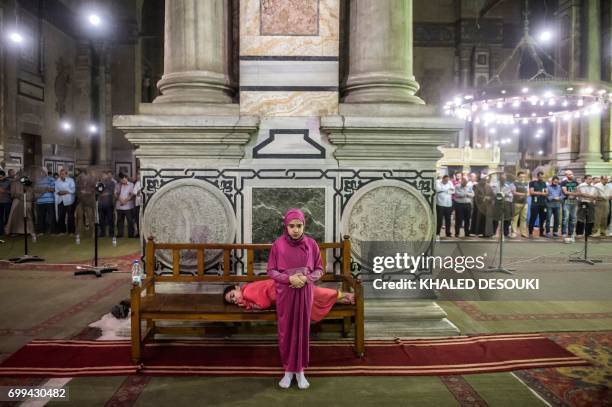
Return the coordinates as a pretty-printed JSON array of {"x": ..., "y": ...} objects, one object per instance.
[
  {"x": 324, "y": 260},
  {"x": 226, "y": 262},
  {"x": 176, "y": 262},
  {"x": 150, "y": 258},
  {"x": 250, "y": 262},
  {"x": 200, "y": 262}
]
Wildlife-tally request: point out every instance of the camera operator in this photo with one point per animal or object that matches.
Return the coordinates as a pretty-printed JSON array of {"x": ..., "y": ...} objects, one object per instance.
[
  {"x": 15, "y": 221},
  {"x": 86, "y": 203}
]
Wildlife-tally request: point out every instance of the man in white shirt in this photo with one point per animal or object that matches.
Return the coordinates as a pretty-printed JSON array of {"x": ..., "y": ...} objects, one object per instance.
[
  {"x": 464, "y": 195},
  {"x": 137, "y": 203},
  {"x": 124, "y": 193},
  {"x": 444, "y": 205},
  {"x": 587, "y": 195},
  {"x": 65, "y": 191},
  {"x": 602, "y": 207}
]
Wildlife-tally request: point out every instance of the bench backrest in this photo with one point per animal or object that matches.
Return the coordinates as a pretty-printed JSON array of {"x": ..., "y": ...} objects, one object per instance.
[{"x": 226, "y": 248}]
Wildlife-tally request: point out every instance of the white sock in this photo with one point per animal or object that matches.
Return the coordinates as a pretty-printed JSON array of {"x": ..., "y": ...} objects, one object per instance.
[
  {"x": 285, "y": 382},
  {"x": 301, "y": 379}
]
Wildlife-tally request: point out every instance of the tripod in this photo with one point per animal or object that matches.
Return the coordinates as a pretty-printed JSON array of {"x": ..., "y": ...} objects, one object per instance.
[
  {"x": 95, "y": 269},
  {"x": 585, "y": 208},
  {"x": 500, "y": 268},
  {"x": 26, "y": 258}
]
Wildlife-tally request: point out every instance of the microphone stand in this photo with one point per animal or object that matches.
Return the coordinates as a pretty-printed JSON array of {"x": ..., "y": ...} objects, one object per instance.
[
  {"x": 26, "y": 258},
  {"x": 500, "y": 268},
  {"x": 585, "y": 259},
  {"x": 95, "y": 269}
]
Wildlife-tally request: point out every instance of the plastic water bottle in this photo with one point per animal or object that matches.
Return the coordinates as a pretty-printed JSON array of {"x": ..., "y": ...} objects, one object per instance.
[{"x": 137, "y": 274}]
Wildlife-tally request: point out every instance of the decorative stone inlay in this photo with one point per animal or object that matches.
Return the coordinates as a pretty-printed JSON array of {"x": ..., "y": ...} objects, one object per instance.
[
  {"x": 289, "y": 17},
  {"x": 388, "y": 211},
  {"x": 189, "y": 211}
]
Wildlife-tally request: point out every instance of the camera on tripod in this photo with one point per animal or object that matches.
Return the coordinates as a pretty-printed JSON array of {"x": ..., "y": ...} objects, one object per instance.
[
  {"x": 99, "y": 187},
  {"x": 25, "y": 181}
]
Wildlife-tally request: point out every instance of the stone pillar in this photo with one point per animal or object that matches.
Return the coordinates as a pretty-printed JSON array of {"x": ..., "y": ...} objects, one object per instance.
[
  {"x": 380, "y": 53},
  {"x": 590, "y": 143},
  {"x": 196, "y": 53}
]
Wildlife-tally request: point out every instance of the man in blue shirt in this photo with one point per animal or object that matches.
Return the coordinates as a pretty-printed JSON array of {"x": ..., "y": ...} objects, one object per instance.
[
  {"x": 65, "y": 191},
  {"x": 44, "y": 191},
  {"x": 553, "y": 206}
]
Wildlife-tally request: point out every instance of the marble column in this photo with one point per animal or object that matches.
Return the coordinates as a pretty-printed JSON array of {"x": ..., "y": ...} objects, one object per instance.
[
  {"x": 196, "y": 49},
  {"x": 590, "y": 143},
  {"x": 380, "y": 53}
]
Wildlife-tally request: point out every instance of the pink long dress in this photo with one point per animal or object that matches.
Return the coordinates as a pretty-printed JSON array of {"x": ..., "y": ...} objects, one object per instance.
[
  {"x": 294, "y": 305},
  {"x": 262, "y": 295}
]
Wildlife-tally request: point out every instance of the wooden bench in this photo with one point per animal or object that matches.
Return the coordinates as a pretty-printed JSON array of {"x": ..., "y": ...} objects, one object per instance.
[{"x": 152, "y": 306}]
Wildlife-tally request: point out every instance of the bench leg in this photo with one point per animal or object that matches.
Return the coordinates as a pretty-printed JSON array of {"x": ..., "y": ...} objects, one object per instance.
[
  {"x": 346, "y": 327},
  {"x": 136, "y": 338}
]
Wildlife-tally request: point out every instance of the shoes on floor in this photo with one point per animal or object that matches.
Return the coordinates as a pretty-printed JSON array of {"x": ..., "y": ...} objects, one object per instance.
[
  {"x": 302, "y": 382},
  {"x": 285, "y": 382}
]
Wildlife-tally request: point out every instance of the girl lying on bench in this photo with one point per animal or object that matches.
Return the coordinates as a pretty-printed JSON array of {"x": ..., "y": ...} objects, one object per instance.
[{"x": 262, "y": 295}]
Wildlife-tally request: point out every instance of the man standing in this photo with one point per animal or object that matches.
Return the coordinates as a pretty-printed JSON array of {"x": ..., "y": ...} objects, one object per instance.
[
  {"x": 86, "y": 203},
  {"x": 444, "y": 205},
  {"x": 507, "y": 189},
  {"x": 519, "y": 220},
  {"x": 65, "y": 190},
  {"x": 602, "y": 208},
  {"x": 587, "y": 194},
  {"x": 539, "y": 197},
  {"x": 464, "y": 196},
  {"x": 553, "y": 206},
  {"x": 45, "y": 203},
  {"x": 569, "y": 187},
  {"x": 137, "y": 203},
  {"x": 106, "y": 206},
  {"x": 5, "y": 200},
  {"x": 124, "y": 193}
]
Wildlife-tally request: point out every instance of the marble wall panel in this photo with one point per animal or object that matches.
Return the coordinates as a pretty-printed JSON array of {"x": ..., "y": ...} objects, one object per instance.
[
  {"x": 270, "y": 204},
  {"x": 288, "y": 103},
  {"x": 325, "y": 43},
  {"x": 289, "y": 17}
]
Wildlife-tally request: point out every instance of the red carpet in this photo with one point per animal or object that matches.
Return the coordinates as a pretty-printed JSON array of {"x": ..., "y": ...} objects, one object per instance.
[{"x": 459, "y": 355}]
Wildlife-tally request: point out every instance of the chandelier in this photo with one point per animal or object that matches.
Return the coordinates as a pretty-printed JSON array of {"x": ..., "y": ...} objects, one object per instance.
[{"x": 539, "y": 99}]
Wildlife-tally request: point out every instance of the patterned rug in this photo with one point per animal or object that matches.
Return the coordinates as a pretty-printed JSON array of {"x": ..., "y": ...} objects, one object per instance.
[
  {"x": 211, "y": 357},
  {"x": 577, "y": 386}
]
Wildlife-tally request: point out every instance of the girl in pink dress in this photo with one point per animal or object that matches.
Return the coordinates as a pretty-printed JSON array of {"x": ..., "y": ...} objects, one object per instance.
[
  {"x": 294, "y": 264},
  {"x": 261, "y": 294}
]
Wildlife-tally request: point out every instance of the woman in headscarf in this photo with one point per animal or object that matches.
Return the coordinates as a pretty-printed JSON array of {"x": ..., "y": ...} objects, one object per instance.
[{"x": 294, "y": 264}]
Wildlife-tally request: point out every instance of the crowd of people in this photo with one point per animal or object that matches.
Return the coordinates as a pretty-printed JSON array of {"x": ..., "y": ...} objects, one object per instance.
[
  {"x": 57, "y": 204},
  {"x": 560, "y": 207}
]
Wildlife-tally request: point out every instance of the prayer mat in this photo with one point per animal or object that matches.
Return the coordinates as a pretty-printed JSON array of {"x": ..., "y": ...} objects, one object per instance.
[{"x": 225, "y": 357}]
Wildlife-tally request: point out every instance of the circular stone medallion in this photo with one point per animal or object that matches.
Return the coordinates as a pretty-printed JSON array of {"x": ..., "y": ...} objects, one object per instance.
[
  {"x": 388, "y": 211},
  {"x": 189, "y": 211}
]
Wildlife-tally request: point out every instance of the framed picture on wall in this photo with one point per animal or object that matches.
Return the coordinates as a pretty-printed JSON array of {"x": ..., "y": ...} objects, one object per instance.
[
  {"x": 70, "y": 168},
  {"x": 123, "y": 168},
  {"x": 50, "y": 166},
  {"x": 58, "y": 166}
]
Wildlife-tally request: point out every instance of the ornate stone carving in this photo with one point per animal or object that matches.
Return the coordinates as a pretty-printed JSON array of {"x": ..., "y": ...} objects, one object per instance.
[
  {"x": 293, "y": 17},
  {"x": 189, "y": 211},
  {"x": 388, "y": 211}
]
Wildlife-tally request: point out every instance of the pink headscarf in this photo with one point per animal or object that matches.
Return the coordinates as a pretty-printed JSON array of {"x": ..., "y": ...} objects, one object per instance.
[{"x": 292, "y": 214}]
